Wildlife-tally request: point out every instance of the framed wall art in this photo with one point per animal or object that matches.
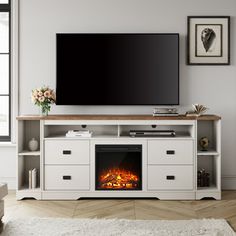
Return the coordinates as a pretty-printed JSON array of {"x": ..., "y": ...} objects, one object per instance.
[{"x": 208, "y": 40}]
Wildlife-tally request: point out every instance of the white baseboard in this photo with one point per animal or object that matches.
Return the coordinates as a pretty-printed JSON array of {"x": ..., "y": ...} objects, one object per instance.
[
  {"x": 229, "y": 182},
  {"x": 11, "y": 182}
]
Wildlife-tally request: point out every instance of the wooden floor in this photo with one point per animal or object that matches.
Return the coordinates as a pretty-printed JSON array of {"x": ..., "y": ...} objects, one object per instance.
[{"x": 125, "y": 208}]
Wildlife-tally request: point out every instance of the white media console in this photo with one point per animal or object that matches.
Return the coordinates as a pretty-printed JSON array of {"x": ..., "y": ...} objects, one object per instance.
[{"x": 169, "y": 165}]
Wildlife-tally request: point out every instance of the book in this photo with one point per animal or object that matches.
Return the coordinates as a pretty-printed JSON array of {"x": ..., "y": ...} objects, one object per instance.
[
  {"x": 165, "y": 114},
  {"x": 34, "y": 178},
  {"x": 30, "y": 179},
  {"x": 79, "y": 133}
]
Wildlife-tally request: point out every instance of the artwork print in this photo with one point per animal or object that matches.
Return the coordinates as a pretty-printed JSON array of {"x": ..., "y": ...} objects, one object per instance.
[{"x": 208, "y": 40}]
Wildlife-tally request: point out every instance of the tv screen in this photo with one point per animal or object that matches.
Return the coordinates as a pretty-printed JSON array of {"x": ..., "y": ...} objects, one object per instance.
[{"x": 117, "y": 69}]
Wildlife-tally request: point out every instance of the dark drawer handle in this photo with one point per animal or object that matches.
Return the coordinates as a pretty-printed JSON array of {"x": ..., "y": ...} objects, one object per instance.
[
  {"x": 66, "y": 177},
  {"x": 66, "y": 152},
  {"x": 170, "y": 177},
  {"x": 170, "y": 152}
]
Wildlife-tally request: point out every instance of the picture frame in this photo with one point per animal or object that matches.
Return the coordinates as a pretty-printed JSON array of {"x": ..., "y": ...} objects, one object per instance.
[{"x": 208, "y": 40}]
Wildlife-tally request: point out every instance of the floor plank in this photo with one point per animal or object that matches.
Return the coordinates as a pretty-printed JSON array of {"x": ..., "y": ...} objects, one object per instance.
[
  {"x": 125, "y": 208},
  {"x": 105, "y": 209},
  {"x": 164, "y": 210}
]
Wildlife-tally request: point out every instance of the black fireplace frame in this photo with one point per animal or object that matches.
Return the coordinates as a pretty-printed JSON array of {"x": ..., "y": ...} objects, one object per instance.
[{"x": 122, "y": 148}]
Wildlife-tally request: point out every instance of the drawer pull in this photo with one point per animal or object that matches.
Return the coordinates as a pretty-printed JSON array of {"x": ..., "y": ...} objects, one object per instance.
[
  {"x": 170, "y": 152},
  {"x": 66, "y": 177},
  {"x": 66, "y": 152},
  {"x": 170, "y": 177}
]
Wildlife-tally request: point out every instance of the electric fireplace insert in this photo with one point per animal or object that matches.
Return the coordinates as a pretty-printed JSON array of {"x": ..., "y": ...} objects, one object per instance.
[{"x": 118, "y": 167}]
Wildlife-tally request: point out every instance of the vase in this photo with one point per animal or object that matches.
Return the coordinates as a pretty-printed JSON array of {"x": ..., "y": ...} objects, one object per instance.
[
  {"x": 33, "y": 145},
  {"x": 43, "y": 111}
]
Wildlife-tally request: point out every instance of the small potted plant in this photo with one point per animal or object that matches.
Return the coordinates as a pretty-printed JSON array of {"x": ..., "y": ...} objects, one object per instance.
[{"x": 43, "y": 97}]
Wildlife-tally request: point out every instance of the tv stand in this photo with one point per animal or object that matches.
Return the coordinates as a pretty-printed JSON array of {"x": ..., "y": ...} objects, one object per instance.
[{"x": 66, "y": 166}]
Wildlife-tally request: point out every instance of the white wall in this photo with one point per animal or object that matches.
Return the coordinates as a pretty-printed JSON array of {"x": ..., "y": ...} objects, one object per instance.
[
  {"x": 214, "y": 86},
  {"x": 8, "y": 165}
]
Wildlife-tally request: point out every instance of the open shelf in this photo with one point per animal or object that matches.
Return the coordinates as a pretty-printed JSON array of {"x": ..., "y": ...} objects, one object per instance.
[
  {"x": 210, "y": 160},
  {"x": 207, "y": 189},
  {"x": 29, "y": 153},
  {"x": 117, "y": 130},
  {"x": 211, "y": 164}
]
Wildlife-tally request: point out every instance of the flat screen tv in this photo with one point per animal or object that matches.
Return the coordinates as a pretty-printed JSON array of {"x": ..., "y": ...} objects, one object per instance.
[{"x": 117, "y": 69}]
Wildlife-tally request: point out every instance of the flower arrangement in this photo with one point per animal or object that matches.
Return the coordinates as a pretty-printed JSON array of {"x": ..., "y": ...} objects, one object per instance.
[{"x": 43, "y": 97}]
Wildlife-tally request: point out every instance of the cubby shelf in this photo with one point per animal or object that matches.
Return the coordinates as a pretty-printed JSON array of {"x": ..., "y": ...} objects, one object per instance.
[
  {"x": 207, "y": 189},
  {"x": 210, "y": 160}
]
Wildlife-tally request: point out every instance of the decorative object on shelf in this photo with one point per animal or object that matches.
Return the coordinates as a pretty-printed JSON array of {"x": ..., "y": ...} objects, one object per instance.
[
  {"x": 43, "y": 97},
  {"x": 33, "y": 145},
  {"x": 203, "y": 178},
  {"x": 197, "y": 110},
  {"x": 32, "y": 178},
  {"x": 204, "y": 143},
  {"x": 208, "y": 40}
]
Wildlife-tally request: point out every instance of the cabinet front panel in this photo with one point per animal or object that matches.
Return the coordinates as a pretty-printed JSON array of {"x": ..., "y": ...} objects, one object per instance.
[
  {"x": 66, "y": 177},
  {"x": 170, "y": 177},
  {"x": 66, "y": 152},
  {"x": 164, "y": 152}
]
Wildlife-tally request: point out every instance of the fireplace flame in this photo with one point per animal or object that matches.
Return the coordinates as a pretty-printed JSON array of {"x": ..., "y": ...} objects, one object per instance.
[{"x": 116, "y": 178}]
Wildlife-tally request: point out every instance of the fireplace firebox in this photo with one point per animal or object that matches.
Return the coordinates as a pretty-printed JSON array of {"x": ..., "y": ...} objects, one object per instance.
[{"x": 118, "y": 167}]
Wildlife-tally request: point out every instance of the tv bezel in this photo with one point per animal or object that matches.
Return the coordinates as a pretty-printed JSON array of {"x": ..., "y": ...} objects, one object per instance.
[{"x": 113, "y": 33}]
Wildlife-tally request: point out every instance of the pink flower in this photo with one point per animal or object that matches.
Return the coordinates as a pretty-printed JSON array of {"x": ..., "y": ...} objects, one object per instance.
[
  {"x": 41, "y": 99},
  {"x": 47, "y": 94},
  {"x": 54, "y": 97},
  {"x": 35, "y": 93},
  {"x": 34, "y": 99},
  {"x": 43, "y": 96}
]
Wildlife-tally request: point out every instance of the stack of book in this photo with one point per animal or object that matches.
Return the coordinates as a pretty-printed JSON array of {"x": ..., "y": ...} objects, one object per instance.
[
  {"x": 79, "y": 134},
  {"x": 33, "y": 178},
  {"x": 165, "y": 112}
]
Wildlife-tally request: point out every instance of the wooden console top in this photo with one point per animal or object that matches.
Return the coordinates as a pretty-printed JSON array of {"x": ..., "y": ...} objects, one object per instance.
[{"x": 116, "y": 117}]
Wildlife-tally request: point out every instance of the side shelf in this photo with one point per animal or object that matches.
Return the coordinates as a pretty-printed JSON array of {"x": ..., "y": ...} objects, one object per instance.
[
  {"x": 209, "y": 160},
  {"x": 28, "y": 160}
]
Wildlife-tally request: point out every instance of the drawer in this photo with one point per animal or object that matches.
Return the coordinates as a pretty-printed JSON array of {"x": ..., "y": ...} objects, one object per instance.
[
  {"x": 66, "y": 177},
  {"x": 170, "y": 152},
  {"x": 66, "y": 152},
  {"x": 170, "y": 177}
]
